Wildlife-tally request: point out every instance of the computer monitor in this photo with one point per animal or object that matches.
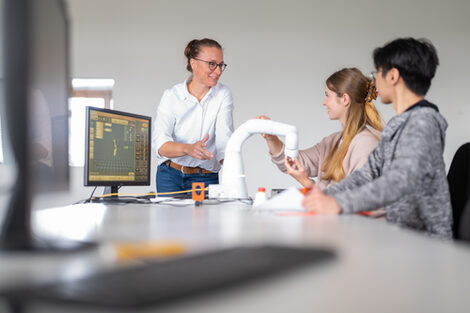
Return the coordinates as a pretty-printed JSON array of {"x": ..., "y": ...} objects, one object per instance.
[
  {"x": 117, "y": 149},
  {"x": 35, "y": 65}
]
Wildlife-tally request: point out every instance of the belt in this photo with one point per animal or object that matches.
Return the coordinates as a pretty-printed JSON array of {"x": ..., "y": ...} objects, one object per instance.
[{"x": 187, "y": 169}]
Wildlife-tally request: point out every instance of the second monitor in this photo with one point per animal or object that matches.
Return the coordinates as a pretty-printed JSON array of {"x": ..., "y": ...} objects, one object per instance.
[{"x": 117, "y": 149}]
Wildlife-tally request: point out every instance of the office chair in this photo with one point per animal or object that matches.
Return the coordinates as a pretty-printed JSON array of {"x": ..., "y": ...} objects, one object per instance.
[
  {"x": 459, "y": 186},
  {"x": 464, "y": 227}
]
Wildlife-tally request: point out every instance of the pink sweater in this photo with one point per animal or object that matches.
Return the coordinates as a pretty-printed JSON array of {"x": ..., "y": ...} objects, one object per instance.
[{"x": 311, "y": 159}]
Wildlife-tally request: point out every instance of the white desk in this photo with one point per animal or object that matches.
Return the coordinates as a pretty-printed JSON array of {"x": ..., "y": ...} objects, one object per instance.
[{"x": 379, "y": 268}]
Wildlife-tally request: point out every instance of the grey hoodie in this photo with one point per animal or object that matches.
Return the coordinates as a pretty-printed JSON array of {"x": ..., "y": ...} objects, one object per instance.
[{"x": 405, "y": 174}]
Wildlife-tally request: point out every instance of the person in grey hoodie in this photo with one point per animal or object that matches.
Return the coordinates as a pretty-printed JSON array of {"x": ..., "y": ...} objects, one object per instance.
[{"x": 406, "y": 172}]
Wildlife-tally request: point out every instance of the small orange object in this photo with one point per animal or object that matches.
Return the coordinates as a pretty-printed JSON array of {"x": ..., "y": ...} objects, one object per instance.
[
  {"x": 198, "y": 192},
  {"x": 126, "y": 251},
  {"x": 304, "y": 190},
  {"x": 366, "y": 213}
]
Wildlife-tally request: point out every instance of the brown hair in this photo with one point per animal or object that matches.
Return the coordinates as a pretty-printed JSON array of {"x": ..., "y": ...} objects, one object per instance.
[
  {"x": 194, "y": 47},
  {"x": 362, "y": 112}
]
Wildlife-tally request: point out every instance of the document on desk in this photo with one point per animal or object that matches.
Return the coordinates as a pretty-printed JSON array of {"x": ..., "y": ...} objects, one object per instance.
[
  {"x": 289, "y": 200},
  {"x": 172, "y": 201}
]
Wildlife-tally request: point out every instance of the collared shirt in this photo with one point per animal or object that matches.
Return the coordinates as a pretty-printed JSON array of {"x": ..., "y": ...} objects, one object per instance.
[{"x": 182, "y": 118}]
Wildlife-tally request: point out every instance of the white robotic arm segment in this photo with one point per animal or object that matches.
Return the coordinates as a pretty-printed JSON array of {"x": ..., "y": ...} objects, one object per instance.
[
  {"x": 233, "y": 179},
  {"x": 258, "y": 126}
]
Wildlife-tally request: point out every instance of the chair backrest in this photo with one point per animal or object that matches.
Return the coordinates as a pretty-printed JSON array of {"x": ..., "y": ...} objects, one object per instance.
[
  {"x": 464, "y": 227},
  {"x": 459, "y": 185}
]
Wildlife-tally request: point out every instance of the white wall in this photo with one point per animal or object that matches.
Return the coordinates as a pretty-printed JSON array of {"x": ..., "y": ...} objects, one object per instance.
[{"x": 279, "y": 55}]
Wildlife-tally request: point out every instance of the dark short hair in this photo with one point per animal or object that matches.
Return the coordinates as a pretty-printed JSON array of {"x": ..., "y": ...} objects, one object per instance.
[
  {"x": 194, "y": 47},
  {"x": 415, "y": 59}
]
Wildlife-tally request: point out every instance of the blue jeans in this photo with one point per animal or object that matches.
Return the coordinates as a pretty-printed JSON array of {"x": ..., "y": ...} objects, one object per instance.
[{"x": 170, "y": 179}]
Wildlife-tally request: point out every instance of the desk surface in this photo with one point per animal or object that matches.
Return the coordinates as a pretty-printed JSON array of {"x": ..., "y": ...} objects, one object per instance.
[{"x": 379, "y": 268}]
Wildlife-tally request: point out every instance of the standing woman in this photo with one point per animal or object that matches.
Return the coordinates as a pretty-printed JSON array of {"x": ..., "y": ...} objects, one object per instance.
[
  {"x": 194, "y": 121},
  {"x": 348, "y": 99}
]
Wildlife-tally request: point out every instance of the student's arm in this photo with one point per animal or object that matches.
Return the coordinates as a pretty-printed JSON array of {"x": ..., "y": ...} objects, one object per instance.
[
  {"x": 411, "y": 160},
  {"x": 275, "y": 145},
  {"x": 310, "y": 158},
  {"x": 224, "y": 126},
  {"x": 296, "y": 170}
]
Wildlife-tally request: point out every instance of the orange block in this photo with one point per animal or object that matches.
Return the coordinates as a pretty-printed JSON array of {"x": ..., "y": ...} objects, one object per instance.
[
  {"x": 198, "y": 192},
  {"x": 130, "y": 251}
]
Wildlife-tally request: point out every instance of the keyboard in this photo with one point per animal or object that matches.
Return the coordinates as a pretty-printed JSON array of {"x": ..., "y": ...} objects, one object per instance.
[{"x": 160, "y": 282}]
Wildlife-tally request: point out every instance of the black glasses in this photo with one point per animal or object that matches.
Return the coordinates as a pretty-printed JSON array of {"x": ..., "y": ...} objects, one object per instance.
[{"x": 213, "y": 65}]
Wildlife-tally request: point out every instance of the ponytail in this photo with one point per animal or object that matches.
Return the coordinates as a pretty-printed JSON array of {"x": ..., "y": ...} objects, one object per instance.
[{"x": 362, "y": 112}]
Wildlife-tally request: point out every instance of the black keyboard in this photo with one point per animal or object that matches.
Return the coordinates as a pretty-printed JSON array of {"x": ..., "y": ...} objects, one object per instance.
[{"x": 159, "y": 282}]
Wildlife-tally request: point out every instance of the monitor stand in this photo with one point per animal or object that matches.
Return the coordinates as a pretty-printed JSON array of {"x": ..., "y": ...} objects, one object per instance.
[
  {"x": 115, "y": 199},
  {"x": 111, "y": 190}
]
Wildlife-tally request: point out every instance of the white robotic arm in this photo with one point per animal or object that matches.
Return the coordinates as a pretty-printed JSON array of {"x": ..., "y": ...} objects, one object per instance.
[{"x": 233, "y": 179}]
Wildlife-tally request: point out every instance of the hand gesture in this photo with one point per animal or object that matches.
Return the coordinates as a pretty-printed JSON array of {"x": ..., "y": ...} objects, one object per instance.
[
  {"x": 317, "y": 201},
  {"x": 197, "y": 150},
  {"x": 295, "y": 169},
  {"x": 266, "y": 136}
]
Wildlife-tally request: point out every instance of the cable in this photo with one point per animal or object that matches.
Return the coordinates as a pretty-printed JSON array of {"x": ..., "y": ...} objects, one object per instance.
[
  {"x": 89, "y": 199},
  {"x": 91, "y": 196},
  {"x": 136, "y": 195},
  {"x": 151, "y": 193},
  {"x": 141, "y": 198},
  {"x": 122, "y": 200}
]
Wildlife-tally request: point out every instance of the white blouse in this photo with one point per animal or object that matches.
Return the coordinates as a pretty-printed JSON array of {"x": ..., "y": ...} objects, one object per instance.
[{"x": 182, "y": 118}]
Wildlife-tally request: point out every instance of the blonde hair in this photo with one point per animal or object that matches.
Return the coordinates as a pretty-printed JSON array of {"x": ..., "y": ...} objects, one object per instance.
[{"x": 362, "y": 112}]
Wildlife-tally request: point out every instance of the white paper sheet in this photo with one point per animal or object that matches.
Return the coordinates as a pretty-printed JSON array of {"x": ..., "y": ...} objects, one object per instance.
[{"x": 288, "y": 200}]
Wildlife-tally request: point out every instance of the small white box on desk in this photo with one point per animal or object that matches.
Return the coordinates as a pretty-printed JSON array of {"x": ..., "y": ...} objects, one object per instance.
[{"x": 288, "y": 200}]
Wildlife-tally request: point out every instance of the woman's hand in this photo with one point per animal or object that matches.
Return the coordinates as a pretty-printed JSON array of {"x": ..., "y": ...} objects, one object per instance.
[
  {"x": 274, "y": 143},
  {"x": 317, "y": 201},
  {"x": 296, "y": 170},
  {"x": 197, "y": 151},
  {"x": 266, "y": 136}
]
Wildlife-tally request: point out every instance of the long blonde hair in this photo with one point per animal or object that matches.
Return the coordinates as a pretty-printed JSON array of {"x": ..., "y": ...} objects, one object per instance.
[{"x": 362, "y": 112}]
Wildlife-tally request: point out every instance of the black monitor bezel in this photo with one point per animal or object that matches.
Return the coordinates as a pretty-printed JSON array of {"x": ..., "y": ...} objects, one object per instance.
[
  {"x": 87, "y": 182},
  {"x": 16, "y": 231}
]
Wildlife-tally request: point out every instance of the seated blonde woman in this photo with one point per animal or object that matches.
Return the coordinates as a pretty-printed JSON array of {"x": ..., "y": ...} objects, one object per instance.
[{"x": 348, "y": 99}]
